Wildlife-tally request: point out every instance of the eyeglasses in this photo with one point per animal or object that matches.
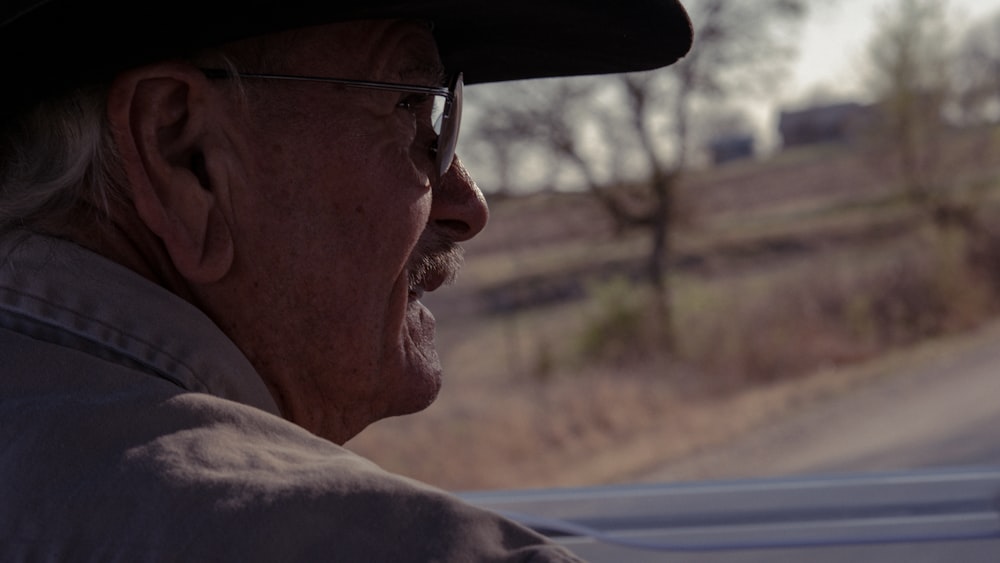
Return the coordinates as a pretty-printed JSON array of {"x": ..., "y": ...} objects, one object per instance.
[{"x": 446, "y": 110}]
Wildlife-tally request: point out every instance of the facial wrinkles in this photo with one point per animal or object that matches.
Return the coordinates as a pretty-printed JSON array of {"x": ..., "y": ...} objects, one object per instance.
[
  {"x": 405, "y": 51},
  {"x": 397, "y": 51}
]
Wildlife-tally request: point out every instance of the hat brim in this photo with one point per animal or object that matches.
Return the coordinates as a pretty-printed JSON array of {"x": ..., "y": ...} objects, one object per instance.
[{"x": 57, "y": 44}]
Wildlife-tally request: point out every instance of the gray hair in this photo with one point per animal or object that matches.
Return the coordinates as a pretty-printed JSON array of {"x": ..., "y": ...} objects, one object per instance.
[
  {"x": 56, "y": 156},
  {"x": 59, "y": 162}
]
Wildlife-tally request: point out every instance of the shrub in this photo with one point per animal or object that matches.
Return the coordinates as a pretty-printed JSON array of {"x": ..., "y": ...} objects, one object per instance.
[
  {"x": 617, "y": 327},
  {"x": 834, "y": 310}
]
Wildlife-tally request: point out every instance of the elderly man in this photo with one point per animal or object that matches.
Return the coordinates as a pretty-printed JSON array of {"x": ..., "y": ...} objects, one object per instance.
[{"x": 217, "y": 219}]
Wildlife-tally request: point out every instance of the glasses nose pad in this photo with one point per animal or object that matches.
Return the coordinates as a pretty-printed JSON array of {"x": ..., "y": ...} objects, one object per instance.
[
  {"x": 439, "y": 164},
  {"x": 440, "y": 160}
]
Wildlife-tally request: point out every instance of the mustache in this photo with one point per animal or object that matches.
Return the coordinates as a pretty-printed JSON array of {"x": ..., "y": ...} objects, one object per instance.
[{"x": 435, "y": 258}]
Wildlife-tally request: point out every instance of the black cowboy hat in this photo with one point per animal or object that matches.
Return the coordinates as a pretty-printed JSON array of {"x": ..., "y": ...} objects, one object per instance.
[{"x": 50, "y": 45}]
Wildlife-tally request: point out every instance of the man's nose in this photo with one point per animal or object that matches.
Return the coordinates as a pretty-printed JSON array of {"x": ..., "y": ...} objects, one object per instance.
[{"x": 457, "y": 206}]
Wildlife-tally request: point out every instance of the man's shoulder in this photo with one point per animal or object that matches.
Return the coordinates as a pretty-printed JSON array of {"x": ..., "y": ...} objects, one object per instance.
[{"x": 208, "y": 478}]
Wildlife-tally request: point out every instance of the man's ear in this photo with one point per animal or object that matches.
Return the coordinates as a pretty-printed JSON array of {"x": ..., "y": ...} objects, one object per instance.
[{"x": 165, "y": 121}]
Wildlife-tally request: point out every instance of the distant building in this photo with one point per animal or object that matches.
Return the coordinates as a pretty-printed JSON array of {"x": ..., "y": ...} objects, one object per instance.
[
  {"x": 731, "y": 147},
  {"x": 837, "y": 123}
]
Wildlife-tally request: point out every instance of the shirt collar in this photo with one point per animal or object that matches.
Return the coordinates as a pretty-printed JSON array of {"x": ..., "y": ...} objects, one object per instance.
[{"x": 57, "y": 291}]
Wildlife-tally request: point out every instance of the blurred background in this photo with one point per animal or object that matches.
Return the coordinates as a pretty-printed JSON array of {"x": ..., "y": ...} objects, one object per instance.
[{"x": 778, "y": 256}]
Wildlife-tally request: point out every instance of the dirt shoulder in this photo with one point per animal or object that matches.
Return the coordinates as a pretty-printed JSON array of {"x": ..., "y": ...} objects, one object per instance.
[{"x": 931, "y": 406}]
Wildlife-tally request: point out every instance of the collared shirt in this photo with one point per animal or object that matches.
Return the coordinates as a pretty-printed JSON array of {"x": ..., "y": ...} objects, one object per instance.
[{"x": 132, "y": 429}]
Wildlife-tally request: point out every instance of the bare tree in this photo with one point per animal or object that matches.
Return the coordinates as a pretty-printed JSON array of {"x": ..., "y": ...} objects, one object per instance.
[
  {"x": 978, "y": 76},
  {"x": 910, "y": 56},
  {"x": 628, "y": 138}
]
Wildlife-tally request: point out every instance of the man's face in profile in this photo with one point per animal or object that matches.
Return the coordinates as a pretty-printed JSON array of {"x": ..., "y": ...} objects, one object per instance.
[{"x": 343, "y": 223}]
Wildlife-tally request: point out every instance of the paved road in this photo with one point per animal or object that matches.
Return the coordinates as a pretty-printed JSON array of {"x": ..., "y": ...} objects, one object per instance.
[{"x": 939, "y": 413}]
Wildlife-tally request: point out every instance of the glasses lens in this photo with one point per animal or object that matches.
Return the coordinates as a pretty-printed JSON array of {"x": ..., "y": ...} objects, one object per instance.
[{"x": 447, "y": 127}]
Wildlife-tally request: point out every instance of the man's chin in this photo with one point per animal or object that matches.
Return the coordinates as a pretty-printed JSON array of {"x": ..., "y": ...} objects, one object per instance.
[
  {"x": 421, "y": 388},
  {"x": 422, "y": 371}
]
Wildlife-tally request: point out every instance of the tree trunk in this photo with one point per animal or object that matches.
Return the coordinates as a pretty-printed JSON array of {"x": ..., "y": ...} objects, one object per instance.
[{"x": 659, "y": 259}]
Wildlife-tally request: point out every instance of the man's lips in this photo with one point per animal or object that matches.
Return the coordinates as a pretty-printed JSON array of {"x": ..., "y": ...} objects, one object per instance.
[{"x": 428, "y": 282}]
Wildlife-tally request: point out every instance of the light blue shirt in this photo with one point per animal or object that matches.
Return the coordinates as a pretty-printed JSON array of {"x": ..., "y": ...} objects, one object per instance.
[{"x": 132, "y": 429}]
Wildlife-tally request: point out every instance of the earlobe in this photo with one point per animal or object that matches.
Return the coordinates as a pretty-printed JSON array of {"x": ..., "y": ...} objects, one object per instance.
[{"x": 165, "y": 122}]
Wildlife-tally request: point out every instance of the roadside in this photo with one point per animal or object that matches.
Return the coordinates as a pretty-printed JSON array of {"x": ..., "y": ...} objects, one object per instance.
[
  {"x": 933, "y": 406},
  {"x": 635, "y": 427}
]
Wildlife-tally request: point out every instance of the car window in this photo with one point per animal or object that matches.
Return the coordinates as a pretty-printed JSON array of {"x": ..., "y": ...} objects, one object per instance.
[{"x": 740, "y": 309}]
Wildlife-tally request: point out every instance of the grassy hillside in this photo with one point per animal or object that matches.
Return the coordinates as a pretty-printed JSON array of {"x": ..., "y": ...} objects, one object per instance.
[{"x": 787, "y": 274}]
